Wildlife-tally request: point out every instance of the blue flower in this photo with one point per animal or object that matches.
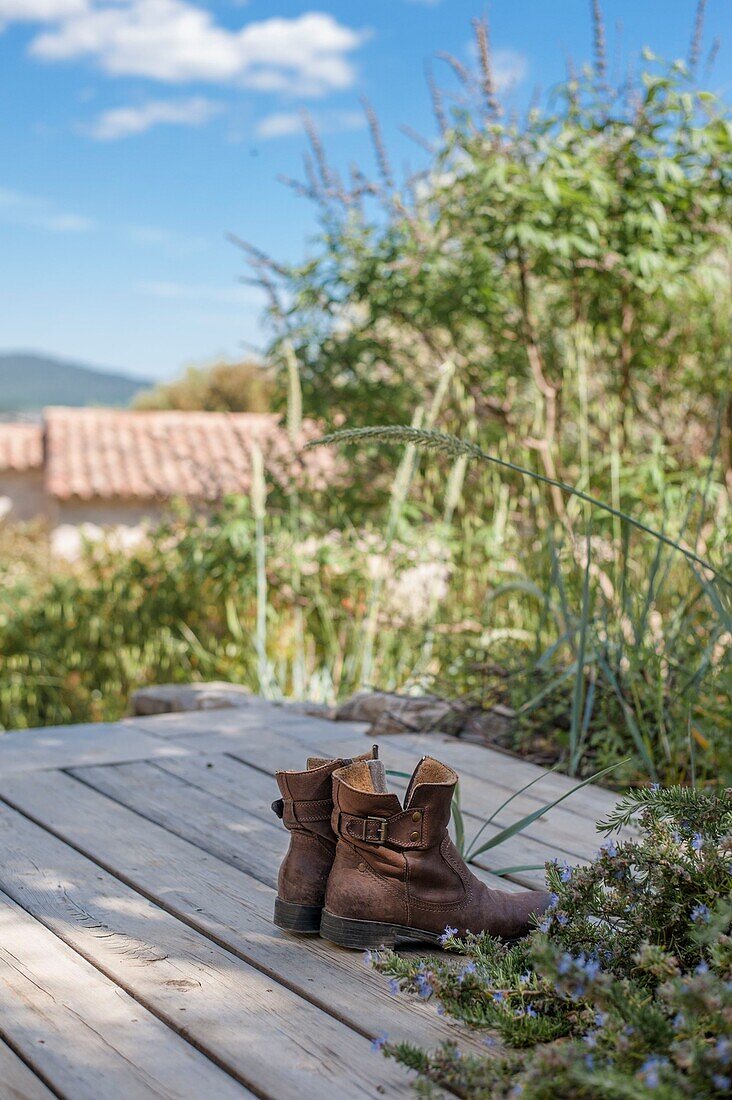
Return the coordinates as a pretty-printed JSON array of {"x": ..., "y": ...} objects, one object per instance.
[
  {"x": 678, "y": 1021},
  {"x": 591, "y": 968},
  {"x": 565, "y": 964},
  {"x": 497, "y": 996},
  {"x": 440, "y": 1010},
  {"x": 650, "y": 1071},
  {"x": 697, "y": 842},
  {"x": 531, "y": 1011},
  {"x": 610, "y": 849},
  {"x": 447, "y": 934},
  {"x": 723, "y": 1050},
  {"x": 553, "y": 901},
  {"x": 700, "y": 913},
  {"x": 525, "y": 978},
  {"x": 394, "y": 986},
  {"x": 721, "y": 1082},
  {"x": 589, "y": 1061},
  {"x": 469, "y": 968},
  {"x": 562, "y": 919},
  {"x": 600, "y": 1019},
  {"x": 545, "y": 925},
  {"x": 590, "y": 1039},
  {"x": 566, "y": 872},
  {"x": 424, "y": 986},
  {"x": 379, "y": 1042},
  {"x": 702, "y": 968}
]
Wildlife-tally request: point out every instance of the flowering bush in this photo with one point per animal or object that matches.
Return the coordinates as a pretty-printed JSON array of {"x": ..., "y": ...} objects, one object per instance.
[{"x": 625, "y": 987}]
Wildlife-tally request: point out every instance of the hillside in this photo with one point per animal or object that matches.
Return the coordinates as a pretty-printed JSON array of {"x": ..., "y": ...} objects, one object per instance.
[{"x": 29, "y": 382}]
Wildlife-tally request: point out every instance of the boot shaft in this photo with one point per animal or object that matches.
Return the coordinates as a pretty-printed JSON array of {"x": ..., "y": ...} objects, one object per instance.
[{"x": 305, "y": 808}]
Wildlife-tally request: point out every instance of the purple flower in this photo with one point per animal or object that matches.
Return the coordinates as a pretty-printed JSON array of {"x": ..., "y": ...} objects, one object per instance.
[
  {"x": 697, "y": 842},
  {"x": 497, "y": 997},
  {"x": 394, "y": 986},
  {"x": 700, "y": 913},
  {"x": 562, "y": 919},
  {"x": 721, "y": 1082},
  {"x": 566, "y": 872},
  {"x": 379, "y": 1042},
  {"x": 545, "y": 924},
  {"x": 610, "y": 849},
  {"x": 531, "y": 1011},
  {"x": 447, "y": 934},
  {"x": 553, "y": 901}
]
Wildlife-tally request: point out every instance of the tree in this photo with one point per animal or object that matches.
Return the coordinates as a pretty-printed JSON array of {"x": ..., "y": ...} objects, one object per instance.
[{"x": 225, "y": 387}]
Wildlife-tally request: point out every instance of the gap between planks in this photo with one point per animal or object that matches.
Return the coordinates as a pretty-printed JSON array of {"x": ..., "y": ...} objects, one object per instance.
[
  {"x": 228, "y": 1009},
  {"x": 225, "y": 904},
  {"x": 81, "y": 1033}
]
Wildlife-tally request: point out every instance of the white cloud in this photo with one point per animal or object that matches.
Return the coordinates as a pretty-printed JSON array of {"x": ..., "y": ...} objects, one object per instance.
[
  {"x": 509, "y": 68},
  {"x": 176, "y": 41},
  {"x": 33, "y": 212},
  {"x": 35, "y": 11},
  {"x": 202, "y": 293},
  {"x": 120, "y": 122},
  {"x": 287, "y": 123}
]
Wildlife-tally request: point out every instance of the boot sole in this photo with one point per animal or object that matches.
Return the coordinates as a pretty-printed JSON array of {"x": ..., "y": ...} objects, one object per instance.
[
  {"x": 303, "y": 919},
  {"x": 364, "y": 934}
]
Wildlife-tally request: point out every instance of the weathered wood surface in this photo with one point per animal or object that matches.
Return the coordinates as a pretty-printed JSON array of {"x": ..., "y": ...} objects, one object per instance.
[
  {"x": 54, "y": 1002},
  {"x": 138, "y": 867}
]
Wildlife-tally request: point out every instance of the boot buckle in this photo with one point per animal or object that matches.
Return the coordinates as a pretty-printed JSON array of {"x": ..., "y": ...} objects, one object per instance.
[{"x": 382, "y": 824}]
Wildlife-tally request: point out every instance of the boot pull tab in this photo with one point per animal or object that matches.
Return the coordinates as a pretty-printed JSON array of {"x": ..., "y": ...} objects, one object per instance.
[{"x": 278, "y": 807}]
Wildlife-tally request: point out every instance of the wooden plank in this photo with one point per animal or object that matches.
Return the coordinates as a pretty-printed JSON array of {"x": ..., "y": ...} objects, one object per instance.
[
  {"x": 86, "y": 1037},
  {"x": 228, "y": 906},
  {"x": 271, "y": 1040},
  {"x": 570, "y": 836},
  {"x": 232, "y": 781},
  {"x": 503, "y": 768},
  {"x": 18, "y": 1082},
  {"x": 534, "y": 846},
  {"x": 248, "y": 837},
  {"x": 65, "y": 746},
  {"x": 264, "y": 717}
]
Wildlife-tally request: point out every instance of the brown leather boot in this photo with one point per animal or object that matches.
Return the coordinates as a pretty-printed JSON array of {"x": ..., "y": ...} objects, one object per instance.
[
  {"x": 305, "y": 809},
  {"x": 397, "y": 875}
]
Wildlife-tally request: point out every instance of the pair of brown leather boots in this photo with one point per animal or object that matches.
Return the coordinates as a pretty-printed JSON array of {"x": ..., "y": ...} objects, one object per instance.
[{"x": 364, "y": 871}]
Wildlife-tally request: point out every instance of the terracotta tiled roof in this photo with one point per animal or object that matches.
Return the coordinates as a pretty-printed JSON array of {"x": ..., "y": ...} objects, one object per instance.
[
  {"x": 21, "y": 447},
  {"x": 108, "y": 453}
]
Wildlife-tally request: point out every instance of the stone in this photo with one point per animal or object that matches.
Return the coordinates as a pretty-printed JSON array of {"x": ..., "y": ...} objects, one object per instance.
[{"x": 169, "y": 698}]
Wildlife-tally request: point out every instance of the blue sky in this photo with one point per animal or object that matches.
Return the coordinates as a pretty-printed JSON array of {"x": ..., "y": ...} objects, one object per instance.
[{"x": 134, "y": 134}]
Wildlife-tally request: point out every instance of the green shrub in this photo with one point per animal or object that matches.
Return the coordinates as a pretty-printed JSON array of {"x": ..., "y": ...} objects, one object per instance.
[{"x": 625, "y": 987}]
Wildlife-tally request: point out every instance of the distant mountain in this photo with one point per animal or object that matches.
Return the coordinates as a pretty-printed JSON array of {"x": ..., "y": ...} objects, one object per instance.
[{"x": 28, "y": 382}]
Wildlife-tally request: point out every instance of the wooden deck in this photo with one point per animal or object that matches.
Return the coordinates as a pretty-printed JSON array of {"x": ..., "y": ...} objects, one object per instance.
[{"x": 138, "y": 863}]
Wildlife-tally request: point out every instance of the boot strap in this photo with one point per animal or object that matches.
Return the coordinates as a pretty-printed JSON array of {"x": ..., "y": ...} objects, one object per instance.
[
  {"x": 294, "y": 812},
  {"x": 398, "y": 831}
]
